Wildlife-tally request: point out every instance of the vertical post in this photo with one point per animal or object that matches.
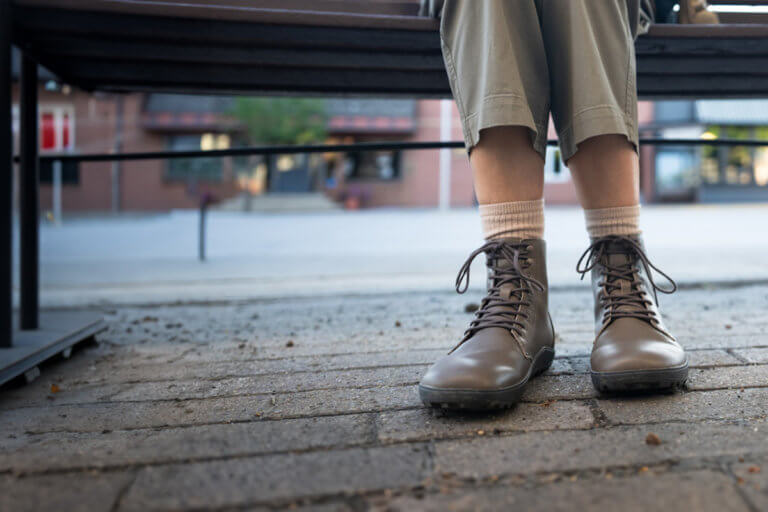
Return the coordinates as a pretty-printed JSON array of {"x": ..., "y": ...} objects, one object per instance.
[
  {"x": 57, "y": 172},
  {"x": 201, "y": 230},
  {"x": 444, "y": 198},
  {"x": 118, "y": 148},
  {"x": 6, "y": 179},
  {"x": 29, "y": 201}
]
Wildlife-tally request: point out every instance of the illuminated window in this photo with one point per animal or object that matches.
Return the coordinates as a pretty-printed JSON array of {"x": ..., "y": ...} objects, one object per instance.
[
  {"x": 196, "y": 169},
  {"x": 736, "y": 166}
]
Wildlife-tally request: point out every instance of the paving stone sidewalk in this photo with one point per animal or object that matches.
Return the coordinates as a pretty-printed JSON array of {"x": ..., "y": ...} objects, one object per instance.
[{"x": 311, "y": 404}]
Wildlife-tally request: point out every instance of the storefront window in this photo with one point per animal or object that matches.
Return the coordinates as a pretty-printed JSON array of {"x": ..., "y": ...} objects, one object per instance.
[
  {"x": 676, "y": 171},
  {"x": 736, "y": 166},
  {"x": 377, "y": 165},
  {"x": 196, "y": 169},
  {"x": 761, "y": 167}
]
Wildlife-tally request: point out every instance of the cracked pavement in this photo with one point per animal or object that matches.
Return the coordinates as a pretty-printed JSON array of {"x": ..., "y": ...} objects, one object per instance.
[{"x": 310, "y": 403}]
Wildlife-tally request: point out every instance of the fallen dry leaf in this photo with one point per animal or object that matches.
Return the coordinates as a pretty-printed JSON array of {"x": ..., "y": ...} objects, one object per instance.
[
  {"x": 471, "y": 307},
  {"x": 652, "y": 439},
  {"x": 55, "y": 388}
]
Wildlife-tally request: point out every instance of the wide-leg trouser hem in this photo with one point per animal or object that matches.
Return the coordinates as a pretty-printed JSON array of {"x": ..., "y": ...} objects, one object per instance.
[
  {"x": 507, "y": 110},
  {"x": 602, "y": 120}
]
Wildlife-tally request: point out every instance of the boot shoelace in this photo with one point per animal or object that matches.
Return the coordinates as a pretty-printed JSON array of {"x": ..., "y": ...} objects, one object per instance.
[
  {"x": 495, "y": 310},
  {"x": 617, "y": 300}
]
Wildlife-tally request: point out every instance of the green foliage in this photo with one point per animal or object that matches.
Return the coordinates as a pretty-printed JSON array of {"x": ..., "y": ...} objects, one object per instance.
[{"x": 282, "y": 120}]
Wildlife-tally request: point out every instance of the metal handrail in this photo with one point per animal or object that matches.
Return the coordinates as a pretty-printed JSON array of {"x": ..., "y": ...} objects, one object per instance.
[{"x": 343, "y": 148}]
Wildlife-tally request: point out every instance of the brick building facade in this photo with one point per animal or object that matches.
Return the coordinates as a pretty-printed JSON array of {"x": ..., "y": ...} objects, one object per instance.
[{"x": 81, "y": 122}]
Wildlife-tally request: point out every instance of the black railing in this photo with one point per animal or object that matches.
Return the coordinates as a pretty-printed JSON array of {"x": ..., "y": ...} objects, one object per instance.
[
  {"x": 344, "y": 148},
  {"x": 331, "y": 148}
]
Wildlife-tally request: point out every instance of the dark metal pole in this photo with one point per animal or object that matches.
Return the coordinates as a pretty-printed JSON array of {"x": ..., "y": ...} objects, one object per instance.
[
  {"x": 29, "y": 200},
  {"x": 118, "y": 148},
  {"x": 6, "y": 179},
  {"x": 201, "y": 231}
]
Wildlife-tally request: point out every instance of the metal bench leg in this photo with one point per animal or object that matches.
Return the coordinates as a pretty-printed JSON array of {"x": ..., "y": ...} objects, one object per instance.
[
  {"x": 6, "y": 180},
  {"x": 40, "y": 338},
  {"x": 29, "y": 200}
]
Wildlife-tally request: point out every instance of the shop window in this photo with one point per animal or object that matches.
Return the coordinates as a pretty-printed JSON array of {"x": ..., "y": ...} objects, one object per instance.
[
  {"x": 676, "y": 171},
  {"x": 373, "y": 165},
  {"x": 761, "y": 167},
  {"x": 196, "y": 169},
  {"x": 735, "y": 166}
]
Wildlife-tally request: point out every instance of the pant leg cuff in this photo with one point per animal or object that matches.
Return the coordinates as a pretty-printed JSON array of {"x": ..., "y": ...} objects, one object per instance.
[
  {"x": 604, "y": 120},
  {"x": 506, "y": 110}
]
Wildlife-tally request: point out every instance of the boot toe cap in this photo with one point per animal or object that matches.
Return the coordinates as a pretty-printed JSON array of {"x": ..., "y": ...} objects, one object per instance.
[
  {"x": 457, "y": 372},
  {"x": 647, "y": 355}
]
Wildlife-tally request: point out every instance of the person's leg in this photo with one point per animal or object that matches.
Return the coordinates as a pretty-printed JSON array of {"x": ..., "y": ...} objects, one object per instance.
[
  {"x": 495, "y": 60},
  {"x": 594, "y": 105},
  {"x": 509, "y": 183},
  {"x": 606, "y": 172},
  {"x": 590, "y": 50},
  {"x": 505, "y": 166},
  {"x": 496, "y": 64}
]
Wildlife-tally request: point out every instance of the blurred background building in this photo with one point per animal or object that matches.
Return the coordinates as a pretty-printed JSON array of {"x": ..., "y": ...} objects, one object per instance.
[{"x": 77, "y": 121}]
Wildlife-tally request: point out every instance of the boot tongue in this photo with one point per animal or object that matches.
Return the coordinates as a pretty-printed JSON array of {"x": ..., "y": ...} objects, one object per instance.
[
  {"x": 501, "y": 263},
  {"x": 618, "y": 255}
]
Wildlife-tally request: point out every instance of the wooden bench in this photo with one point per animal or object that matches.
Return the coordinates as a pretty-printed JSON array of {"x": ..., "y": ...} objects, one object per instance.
[
  {"x": 327, "y": 47},
  {"x": 299, "y": 47}
]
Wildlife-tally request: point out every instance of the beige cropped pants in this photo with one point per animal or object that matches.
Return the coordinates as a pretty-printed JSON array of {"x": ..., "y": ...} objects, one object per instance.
[{"x": 512, "y": 62}]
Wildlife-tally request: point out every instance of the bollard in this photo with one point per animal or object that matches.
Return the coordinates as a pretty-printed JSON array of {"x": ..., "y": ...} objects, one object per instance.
[
  {"x": 206, "y": 199},
  {"x": 201, "y": 231},
  {"x": 57, "y": 182}
]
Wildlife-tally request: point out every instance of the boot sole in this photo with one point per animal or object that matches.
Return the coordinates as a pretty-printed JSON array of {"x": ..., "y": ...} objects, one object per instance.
[
  {"x": 667, "y": 379},
  {"x": 471, "y": 399}
]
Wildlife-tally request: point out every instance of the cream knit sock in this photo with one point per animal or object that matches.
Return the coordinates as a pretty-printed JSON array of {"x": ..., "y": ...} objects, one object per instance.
[
  {"x": 622, "y": 220},
  {"x": 518, "y": 219}
]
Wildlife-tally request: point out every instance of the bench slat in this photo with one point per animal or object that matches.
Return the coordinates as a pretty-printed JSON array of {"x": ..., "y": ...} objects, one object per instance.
[
  {"x": 55, "y": 47},
  {"x": 739, "y": 31},
  {"x": 228, "y": 10},
  {"x": 31, "y": 22},
  {"x": 117, "y": 48}
]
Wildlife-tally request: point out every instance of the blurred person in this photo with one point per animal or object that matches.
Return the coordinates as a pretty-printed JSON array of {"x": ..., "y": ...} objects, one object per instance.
[
  {"x": 689, "y": 12},
  {"x": 692, "y": 12},
  {"x": 511, "y": 63}
]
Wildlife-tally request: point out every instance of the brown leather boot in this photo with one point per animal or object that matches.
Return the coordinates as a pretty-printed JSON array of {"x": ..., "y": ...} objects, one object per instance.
[
  {"x": 632, "y": 350},
  {"x": 511, "y": 338},
  {"x": 695, "y": 12}
]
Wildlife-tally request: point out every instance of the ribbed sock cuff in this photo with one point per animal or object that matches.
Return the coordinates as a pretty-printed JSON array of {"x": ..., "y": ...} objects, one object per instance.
[
  {"x": 518, "y": 219},
  {"x": 622, "y": 220}
]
